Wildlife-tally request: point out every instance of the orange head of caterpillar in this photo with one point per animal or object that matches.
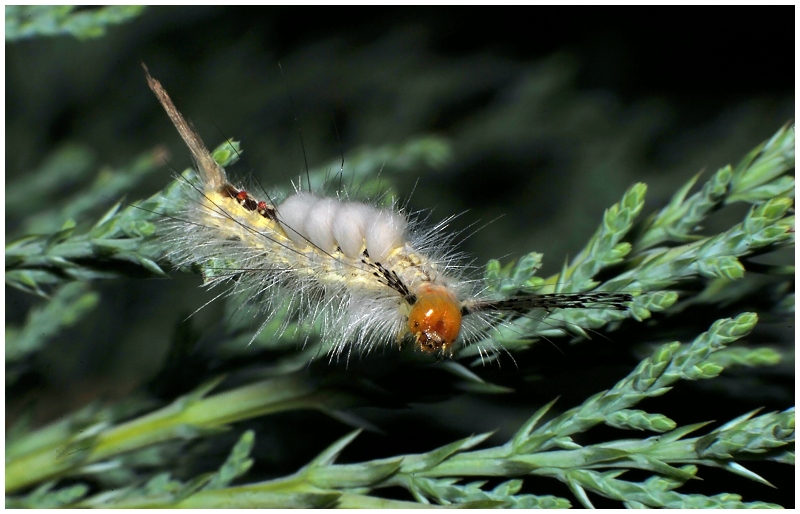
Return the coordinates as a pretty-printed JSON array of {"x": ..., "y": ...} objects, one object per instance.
[{"x": 435, "y": 319}]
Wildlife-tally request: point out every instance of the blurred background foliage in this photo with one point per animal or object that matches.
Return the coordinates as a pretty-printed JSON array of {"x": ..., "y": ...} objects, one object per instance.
[{"x": 546, "y": 128}]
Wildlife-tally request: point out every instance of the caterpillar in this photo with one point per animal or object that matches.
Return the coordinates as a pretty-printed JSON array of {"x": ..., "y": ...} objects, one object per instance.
[{"x": 373, "y": 276}]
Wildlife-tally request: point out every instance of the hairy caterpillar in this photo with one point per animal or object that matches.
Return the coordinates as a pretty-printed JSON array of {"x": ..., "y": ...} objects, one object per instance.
[{"x": 373, "y": 276}]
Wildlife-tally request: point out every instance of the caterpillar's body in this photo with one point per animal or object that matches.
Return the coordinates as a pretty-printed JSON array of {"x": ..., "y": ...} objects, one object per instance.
[{"x": 370, "y": 274}]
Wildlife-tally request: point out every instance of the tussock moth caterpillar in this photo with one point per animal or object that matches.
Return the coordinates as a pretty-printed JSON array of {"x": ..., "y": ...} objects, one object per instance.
[{"x": 373, "y": 276}]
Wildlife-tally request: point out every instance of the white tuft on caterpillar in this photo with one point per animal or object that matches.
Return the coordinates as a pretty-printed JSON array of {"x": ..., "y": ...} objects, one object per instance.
[{"x": 373, "y": 276}]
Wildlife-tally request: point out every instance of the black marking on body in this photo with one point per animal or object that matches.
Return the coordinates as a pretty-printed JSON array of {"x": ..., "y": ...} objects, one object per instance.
[
  {"x": 248, "y": 202},
  {"x": 391, "y": 279}
]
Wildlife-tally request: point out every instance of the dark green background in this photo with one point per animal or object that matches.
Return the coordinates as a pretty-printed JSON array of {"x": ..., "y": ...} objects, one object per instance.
[{"x": 549, "y": 125}]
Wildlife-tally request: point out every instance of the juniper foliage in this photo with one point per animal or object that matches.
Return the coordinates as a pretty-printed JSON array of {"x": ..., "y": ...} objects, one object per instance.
[{"x": 152, "y": 448}]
